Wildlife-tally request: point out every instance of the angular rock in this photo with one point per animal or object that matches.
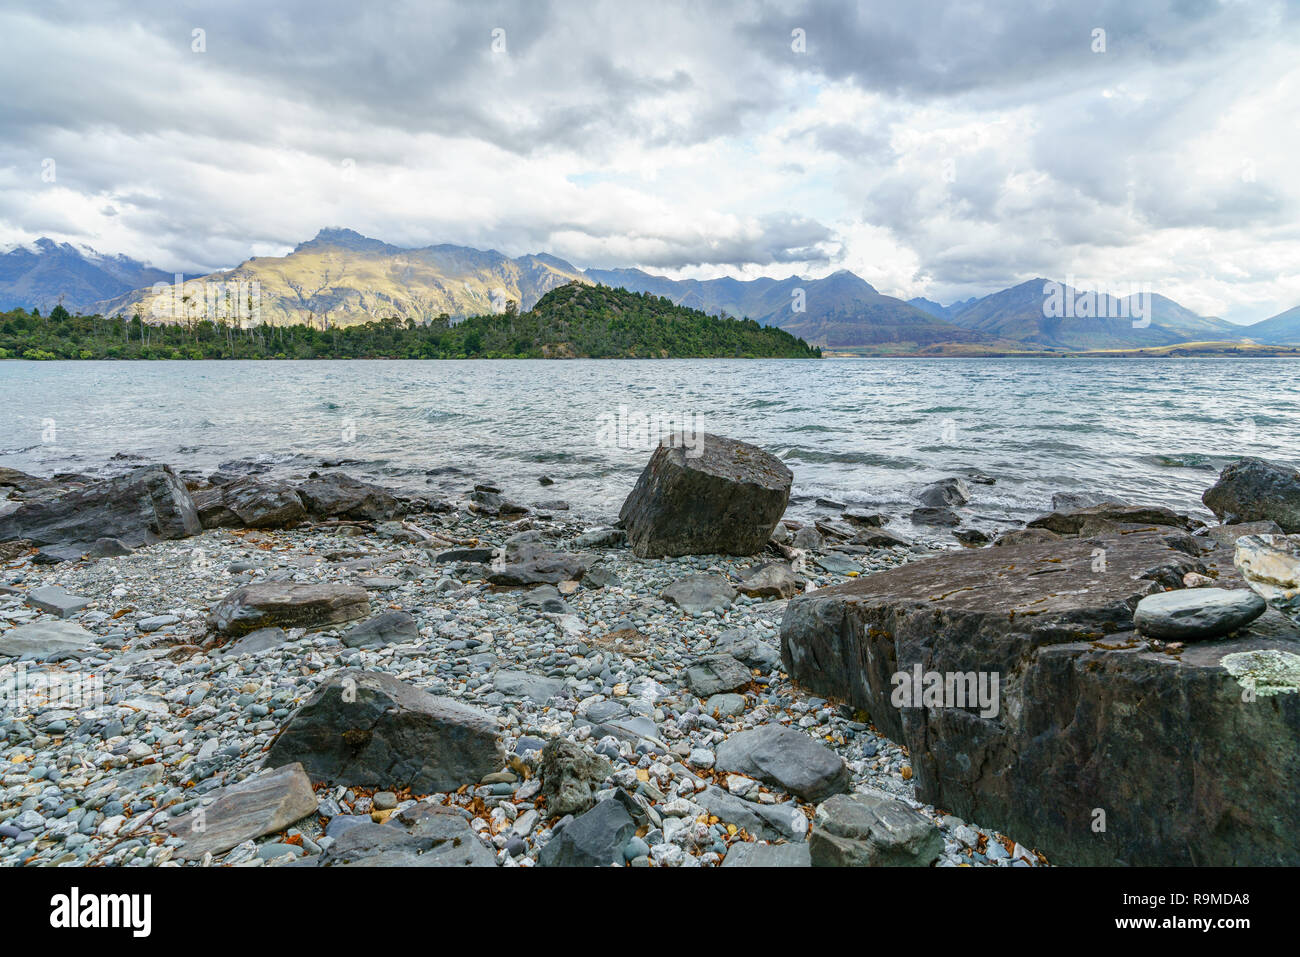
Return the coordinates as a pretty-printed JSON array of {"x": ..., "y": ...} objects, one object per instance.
[
  {"x": 945, "y": 492},
  {"x": 287, "y": 605},
  {"x": 390, "y": 628},
  {"x": 1085, "y": 708},
  {"x": 868, "y": 830},
  {"x": 481, "y": 555},
  {"x": 725, "y": 500},
  {"x": 1225, "y": 536},
  {"x": 935, "y": 515},
  {"x": 540, "y": 568},
  {"x": 863, "y": 518},
  {"x": 971, "y": 537},
  {"x": 593, "y": 839},
  {"x": 108, "y": 548},
  {"x": 1270, "y": 564},
  {"x": 786, "y": 758},
  {"x": 1254, "y": 490},
  {"x": 715, "y": 674},
  {"x": 336, "y": 495},
  {"x": 1197, "y": 614},
  {"x": 601, "y": 538},
  {"x": 422, "y": 835},
  {"x": 141, "y": 507},
  {"x": 1026, "y": 536},
  {"x": 263, "y": 804},
  {"x": 57, "y": 600},
  {"x": 1073, "y": 501},
  {"x": 879, "y": 538},
  {"x": 368, "y": 729},
  {"x": 771, "y": 580},
  {"x": 571, "y": 776},
  {"x": 808, "y": 539},
  {"x": 753, "y": 651},
  {"x": 249, "y": 503},
  {"x": 767, "y": 822},
  {"x": 43, "y": 638},
  {"x": 700, "y": 594},
  {"x": 255, "y": 642}
]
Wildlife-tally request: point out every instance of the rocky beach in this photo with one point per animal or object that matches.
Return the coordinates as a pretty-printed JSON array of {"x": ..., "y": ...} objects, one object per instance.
[{"x": 221, "y": 669}]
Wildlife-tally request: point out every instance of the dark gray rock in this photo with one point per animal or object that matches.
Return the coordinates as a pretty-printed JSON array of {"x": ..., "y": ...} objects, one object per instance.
[
  {"x": 767, "y": 855},
  {"x": 593, "y": 839},
  {"x": 935, "y": 515},
  {"x": 868, "y": 830},
  {"x": 336, "y": 495},
  {"x": 753, "y": 651},
  {"x": 724, "y": 501},
  {"x": 249, "y": 503},
  {"x": 601, "y": 538},
  {"x": 786, "y": 758},
  {"x": 700, "y": 594},
  {"x": 880, "y": 538},
  {"x": 1108, "y": 518},
  {"x": 422, "y": 835},
  {"x": 369, "y": 729},
  {"x": 1073, "y": 501},
  {"x": 57, "y": 600},
  {"x": 1026, "y": 536},
  {"x": 1054, "y": 623},
  {"x": 945, "y": 492},
  {"x": 108, "y": 548},
  {"x": 263, "y": 804},
  {"x": 288, "y": 605},
  {"x": 808, "y": 539},
  {"x": 521, "y": 684},
  {"x": 1197, "y": 614},
  {"x": 255, "y": 642},
  {"x": 143, "y": 506},
  {"x": 863, "y": 518},
  {"x": 535, "y": 567},
  {"x": 390, "y": 628},
  {"x": 1254, "y": 490},
  {"x": 482, "y": 555},
  {"x": 715, "y": 674}
]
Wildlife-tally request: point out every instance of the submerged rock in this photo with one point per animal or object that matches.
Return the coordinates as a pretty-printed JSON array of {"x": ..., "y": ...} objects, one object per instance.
[
  {"x": 948, "y": 491},
  {"x": 725, "y": 500}
]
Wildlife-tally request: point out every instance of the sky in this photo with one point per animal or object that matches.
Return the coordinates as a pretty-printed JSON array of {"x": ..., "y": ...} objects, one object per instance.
[{"x": 943, "y": 150}]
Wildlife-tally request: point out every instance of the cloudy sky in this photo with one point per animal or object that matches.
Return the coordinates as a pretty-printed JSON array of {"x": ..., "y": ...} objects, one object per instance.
[{"x": 937, "y": 149}]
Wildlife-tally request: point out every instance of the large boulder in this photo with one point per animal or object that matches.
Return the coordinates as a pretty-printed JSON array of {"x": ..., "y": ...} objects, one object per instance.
[
  {"x": 336, "y": 495},
  {"x": 725, "y": 500},
  {"x": 1253, "y": 490},
  {"x": 593, "y": 839},
  {"x": 1095, "y": 747},
  {"x": 287, "y": 605},
  {"x": 249, "y": 503},
  {"x": 368, "y": 729},
  {"x": 143, "y": 506},
  {"x": 530, "y": 565}
]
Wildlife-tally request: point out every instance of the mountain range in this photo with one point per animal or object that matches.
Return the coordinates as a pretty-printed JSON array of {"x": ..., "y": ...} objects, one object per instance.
[{"x": 343, "y": 278}]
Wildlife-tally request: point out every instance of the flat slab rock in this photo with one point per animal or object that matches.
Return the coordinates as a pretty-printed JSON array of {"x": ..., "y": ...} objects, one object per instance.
[
  {"x": 768, "y": 855},
  {"x": 720, "y": 496},
  {"x": 369, "y": 729},
  {"x": 263, "y": 804},
  {"x": 1085, "y": 707},
  {"x": 42, "y": 638},
  {"x": 287, "y": 605},
  {"x": 1197, "y": 614},
  {"x": 786, "y": 758},
  {"x": 715, "y": 674},
  {"x": 700, "y": 594}
]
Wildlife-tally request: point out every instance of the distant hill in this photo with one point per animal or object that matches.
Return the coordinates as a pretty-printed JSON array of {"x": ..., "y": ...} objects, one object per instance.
[
  {"x": 41, "y": 274},
  {"x": 576, "y": 320},
  {"x": 1282, "y": 329},
  {"x": 1025, "y": 314},
  {"x": 342, "y": 278},
  {"x": 841, "y": 311}
]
